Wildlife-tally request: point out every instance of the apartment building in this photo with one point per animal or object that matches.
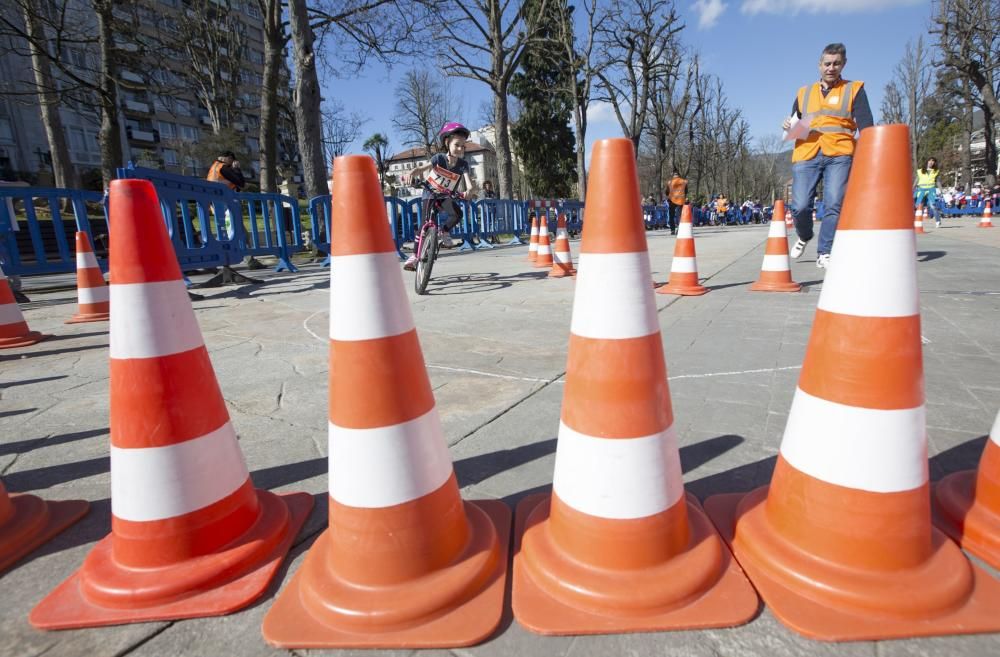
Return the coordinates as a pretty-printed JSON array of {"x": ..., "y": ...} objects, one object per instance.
[{"x": 161, "y": 117}]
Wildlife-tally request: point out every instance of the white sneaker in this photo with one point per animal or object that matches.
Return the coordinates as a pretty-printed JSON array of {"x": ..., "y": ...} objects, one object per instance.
[
  {"x": 444, "y": 239},
  {"x": 798, "y": 248},
  {"x": 823, "y": 260},
  {"x": 937, "y": 224}
]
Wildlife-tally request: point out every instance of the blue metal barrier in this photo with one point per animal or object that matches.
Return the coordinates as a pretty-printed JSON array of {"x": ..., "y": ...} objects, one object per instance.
[
  {"x": 398, "y": 211},
  {"x": 35, "y": 259},
  {"x": 205, "y": 221}
]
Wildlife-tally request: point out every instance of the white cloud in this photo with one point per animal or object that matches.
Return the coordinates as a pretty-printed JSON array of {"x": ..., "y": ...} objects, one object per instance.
[
  {"x": 600, "y": 112},
  {"x": 793, "y": 7},
  {"x": 710, "y": 10}
]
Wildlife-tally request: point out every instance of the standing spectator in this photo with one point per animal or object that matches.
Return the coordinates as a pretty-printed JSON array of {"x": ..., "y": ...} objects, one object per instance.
[
  {"x": 488, "y": 189},
  {"x": 676, "y": 197},
  {"x": 926, "y": 185},
  {"x": 226, "y": 170},
  {"x": 722, "y": 208},
  {"x": 837, "y": 108}
]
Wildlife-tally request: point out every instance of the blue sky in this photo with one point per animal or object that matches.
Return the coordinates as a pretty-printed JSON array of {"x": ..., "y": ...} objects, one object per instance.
[{"x": 763, "y": 50}]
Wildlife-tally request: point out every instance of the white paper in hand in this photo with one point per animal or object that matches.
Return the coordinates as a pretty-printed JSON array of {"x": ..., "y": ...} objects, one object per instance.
[{"x": 799, "y": 128}]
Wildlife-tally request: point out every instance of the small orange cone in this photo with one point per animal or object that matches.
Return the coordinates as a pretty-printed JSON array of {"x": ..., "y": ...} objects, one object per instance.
[
  {"x": 27, "y": 521},
  {"x": 544, "y": 258},
  {"x": 968, "y": 503},
  {"x": 918, "y": 221},
  {"x": 14, "y": 331},
  {"x": 533, "y": 242},
  {"x": 562, "y": 258},
  {"x": 987, "y": 219},
  {"x": 841, "y": 545},
  {"x": 190, "y": 535},
  {"x": 618, "y": 546},
  {"x": 775, "y": 272},
  {"x": 92, "y": 293},
  {"x": 405, "y": 563},
  {"x": 684, "y": 266}
]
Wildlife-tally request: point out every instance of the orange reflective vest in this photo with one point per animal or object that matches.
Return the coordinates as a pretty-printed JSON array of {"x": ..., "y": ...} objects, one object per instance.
[
  {"x": 678, "y": 190},
  {"x": 215, "y": 175},
  {"x": 721, "y": 206},
  {"x": 832, "y": 130}
]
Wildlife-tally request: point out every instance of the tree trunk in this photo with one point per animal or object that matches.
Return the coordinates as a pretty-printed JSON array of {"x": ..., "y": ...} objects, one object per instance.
[
  {"x": 110, "y": 135},
  {"x": 273, "y": 37},
  {"x": 504, "y": 168},
  {"x": 48, "y": 102},
  {"x": 581, "y": 150},
  {"x": 308, "y": 117},
  {"x": 991, "y": 145},
  {"x": 967, "y": 139}
]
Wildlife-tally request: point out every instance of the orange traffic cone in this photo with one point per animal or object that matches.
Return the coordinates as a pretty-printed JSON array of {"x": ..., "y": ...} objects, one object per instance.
[
  {"x": 562, "y": 259},
  {"x": 14, "y": 331},
  {"x": 405, "y": 562},
  {"x": 190, "y": 535},
  {"x": 775, "y": 272},
  {"x": 841, "y": 545},
  {"x": 968, "y": 503},
  {"x": 533, "y": 241},
  {"x": 92, "y": 293},
  {"x": 27, "y": 521},
  {"x": 987, "y": 219},
  {"x": 684, "y": 266},
  {"x": 544, "y": 257},
  {"x": 918, "y": 221},
  {"x": 618, "y": 546}
]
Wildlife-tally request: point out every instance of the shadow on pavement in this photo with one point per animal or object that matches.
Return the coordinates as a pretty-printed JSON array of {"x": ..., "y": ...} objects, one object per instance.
[
  {"x": 964, "y": 456},
  {"x": 28, "y": 445},
  {"x": 26, "y": 382},
  {"x": 927, "y": 256}
]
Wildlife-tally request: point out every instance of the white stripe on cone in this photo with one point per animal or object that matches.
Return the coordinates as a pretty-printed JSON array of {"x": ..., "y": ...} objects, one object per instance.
[
  {"x": 562, "y": 257},
  {"x": 777, "y": 229},
  {"x": 618, "y": 478},
  {"x": 145, "y": 482},
  {"x": 544, "y": 249},
  {"x": 367, "y": 299},
  {"x": 873, "y": 274},
  {"x": 684, "y": 230},
  {"x": 775, "y": 263},
  {"x": 882, "y": 451},
  {"x": 684, "y": 265},
  {"x": 386, "y": 466},
  {"x": 10, "y": 313},
  {"x": 86, "y": 260},
  {"x": 159, "y": 321},
  {"x": 995, "y": 432},
  {"x": 93, "y": 294},
  {"x": 609, "y": 287}
]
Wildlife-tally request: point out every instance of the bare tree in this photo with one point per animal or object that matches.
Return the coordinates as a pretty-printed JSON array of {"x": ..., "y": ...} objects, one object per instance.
[
  {"x": 483, "y": 40},
  {"x": 48, "y": 98},
  {"x": 637, "y": 44},
  {"x": 913, "y": 75},
  {"x": 378, "y": 146},
  {"x": 420, "y": 108},
  {"x": 581, "y": 60},
  {"x": 892, "y": 109},
  {"x": 340, "y": 130}
]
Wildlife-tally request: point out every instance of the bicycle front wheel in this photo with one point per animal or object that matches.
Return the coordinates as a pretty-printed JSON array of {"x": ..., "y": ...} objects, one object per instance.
[{"x": 425, "y": 259}]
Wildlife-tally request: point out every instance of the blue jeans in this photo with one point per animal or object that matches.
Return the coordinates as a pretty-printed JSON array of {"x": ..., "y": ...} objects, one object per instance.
[{"x": 805, "y": 177}]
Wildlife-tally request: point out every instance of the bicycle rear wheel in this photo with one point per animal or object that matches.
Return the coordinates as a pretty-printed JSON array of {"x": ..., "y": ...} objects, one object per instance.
[{"x": 425, "y": 259}]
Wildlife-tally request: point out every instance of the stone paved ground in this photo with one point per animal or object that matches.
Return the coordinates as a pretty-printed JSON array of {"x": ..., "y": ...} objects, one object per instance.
[{"x": 494, "y": 335}]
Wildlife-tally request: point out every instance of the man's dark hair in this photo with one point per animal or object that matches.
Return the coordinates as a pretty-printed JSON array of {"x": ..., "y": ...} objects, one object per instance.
[
  {"x": 835, "y": 49},
  {"x": 228, "y": 154}
]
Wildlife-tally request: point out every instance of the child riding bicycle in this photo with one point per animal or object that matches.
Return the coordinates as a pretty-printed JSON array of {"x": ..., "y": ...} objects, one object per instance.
[{"x": 445, "y": 173}]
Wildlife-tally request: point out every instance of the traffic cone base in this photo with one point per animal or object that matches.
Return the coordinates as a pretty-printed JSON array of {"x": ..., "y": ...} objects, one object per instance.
[
  {"x": 692, "y": 290},
  {"x": 104, "y": 592},
  {"x": 824, "y": 600},
  {"x": 774, "y": 286},
  {"x": 23, "y": 340},
  {"x": 700, "y": 587},
  {"x": 32, "y": 522},
  {"x": 458, "y": 605},
  {"x": 968, "y": 506}
]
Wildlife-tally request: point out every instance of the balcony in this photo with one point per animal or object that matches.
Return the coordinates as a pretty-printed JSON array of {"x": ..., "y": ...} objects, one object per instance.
[
  {"x": 147, "y": 136},
  {"x": 137, "y": 107},
  {"x": 206, "y": 119},
  {"x": 135, "y": 78}
]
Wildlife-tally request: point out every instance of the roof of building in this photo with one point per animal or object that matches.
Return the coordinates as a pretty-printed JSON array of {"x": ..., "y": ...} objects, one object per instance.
[{"x": 421, "y": 154}]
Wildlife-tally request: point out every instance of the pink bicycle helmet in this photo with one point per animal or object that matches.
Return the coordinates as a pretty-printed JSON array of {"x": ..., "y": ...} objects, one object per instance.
[{"x": 452, "y": 128}]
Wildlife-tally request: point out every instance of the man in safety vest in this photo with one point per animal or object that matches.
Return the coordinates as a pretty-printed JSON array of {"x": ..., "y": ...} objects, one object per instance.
[
  {"x": 836, "y": 109},
  {"x": 226, "y": 170},
  {"x": 677, "y": 197}
]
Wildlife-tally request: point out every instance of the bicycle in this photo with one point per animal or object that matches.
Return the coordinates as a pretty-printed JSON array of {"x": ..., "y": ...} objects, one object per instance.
[{"x": 426, "y": 246}]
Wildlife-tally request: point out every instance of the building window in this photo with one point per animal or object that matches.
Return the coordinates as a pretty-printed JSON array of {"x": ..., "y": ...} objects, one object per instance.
[
  {"x": 256, "y": 56},
  {"x": 168, "y": 130},
  {"x": 189, "y": 133},
  {"x": 183, "y": 107},
  {"x": 6, "y": 131},
  {"x": 170, "y": 157},
  {"x": 253, "y": 11}
]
